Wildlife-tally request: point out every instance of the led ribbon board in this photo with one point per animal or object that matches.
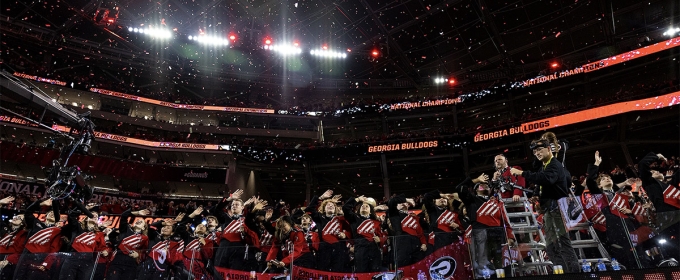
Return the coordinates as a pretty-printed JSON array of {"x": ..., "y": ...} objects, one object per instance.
[
  {"x": 130, "y": 140},
  {"x": 604, "y": 63},
  {"x": 181, "y": 106},
  {"x": 651, "y": 103}
]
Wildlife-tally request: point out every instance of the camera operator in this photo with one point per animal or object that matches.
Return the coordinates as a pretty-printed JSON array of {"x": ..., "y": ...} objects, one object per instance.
[
  {"x": 552, "y": 185},
  {"x": 506, "y": 180}
]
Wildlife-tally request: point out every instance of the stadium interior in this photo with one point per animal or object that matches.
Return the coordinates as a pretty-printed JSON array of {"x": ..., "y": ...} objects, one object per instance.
[{"x": 193, "y": 100}]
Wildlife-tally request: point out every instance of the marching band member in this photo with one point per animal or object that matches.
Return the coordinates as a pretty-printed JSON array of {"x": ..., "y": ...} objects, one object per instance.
[
  {"x": 366, "y": 228},
  {"x": 332, "y": 254},
  {"x": 409, "y": 239},
  {"x": 132, "y": 242},
  {"x": 236, "y": 235},
  {"x": 485, "y": 212},
  {"x": 291, "y": 242},
  {"x": 88, "y": 242},
  {"x": 44, "y": 239},
  {"x": 12, "y": 241},
  {"x": 444, "y": 222}
]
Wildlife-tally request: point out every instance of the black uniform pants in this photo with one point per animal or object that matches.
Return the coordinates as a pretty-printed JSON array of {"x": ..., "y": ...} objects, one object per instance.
[
  {"x": 30, "y": 267},
  {"x": 77, "y": 266},
  {"x": 123, "y": 267},
  {"x": 306, "y": 261},
  {"x": 367, "y": 256},
  {"x": 407, "y": 249},
  {"x": 153, "y": 270},
  {"x": 333, "y": 257},
  {"x": 233, "y": 255},
  {"x": 443, "y": 239}
]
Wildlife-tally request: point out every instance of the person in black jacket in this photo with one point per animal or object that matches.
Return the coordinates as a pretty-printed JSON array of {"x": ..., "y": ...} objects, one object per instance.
[
  {"x": 86, "y": 242},
  {"x": 131, "y": 244},
  {"x": 44, "y": 240},
  {"x": 408, "y": 236},
  {"x": 552, "y": 184},
  {"x": 236, "y": 235},
  {"x": 668, "y": 220},
  {"x": 617, "y": 237},
  {"x": 13, "y": 237},
  {"x": 333, "y": 231},
  {"x": 489, "y": 222},
  {"x": 165, "y": 249},
  {"x": 444, "y": 221},
  {"x": 367, "y": 232}
]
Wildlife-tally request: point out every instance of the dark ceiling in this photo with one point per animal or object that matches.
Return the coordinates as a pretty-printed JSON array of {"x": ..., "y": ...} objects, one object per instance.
[{"x": 471, "y": 41}]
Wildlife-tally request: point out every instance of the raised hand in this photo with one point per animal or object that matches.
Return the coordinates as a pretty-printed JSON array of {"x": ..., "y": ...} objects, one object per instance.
[
  {"x": 249, "y": 201},
  {"x": 179, "y": 217},
  {"x": 260, "y": 205},
  {"x": 237, "y": 194},
  {"x": 598, "y": 158},
  {"x": 326, "y": 195},
  {"x": 483, "y": 178},
  {"x": 381, "y": 207},
  {"x": 336, "y": 198},
  {"x": 268, "y": 214},
  {"x": 661, "y": 157},
  {"x": 169, "y": 222},
  {"x": 496, "y": 175},
  {"x": 47, "y": 202},
  {"x": 6, "y": 200},
  {"x": 196, "y": 212},
  {"x": 144, "y": 212},
  {"x": 361, "y": 199}
]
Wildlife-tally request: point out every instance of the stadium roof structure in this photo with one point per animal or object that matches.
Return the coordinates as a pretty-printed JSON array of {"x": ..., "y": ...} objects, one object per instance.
[{"x": 416, "y": 42}]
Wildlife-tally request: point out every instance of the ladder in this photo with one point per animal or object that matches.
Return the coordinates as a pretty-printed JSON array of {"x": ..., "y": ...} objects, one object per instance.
[
  {"x": 524, "y": 224},
  {"x": 579, "y": 243}
]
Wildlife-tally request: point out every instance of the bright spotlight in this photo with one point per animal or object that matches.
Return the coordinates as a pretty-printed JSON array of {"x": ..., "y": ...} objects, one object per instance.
[
  {"x": 662, "y": 241},
  {"x": 284, "y": 49},
  {"x": 210, "y": 40},
  {"x": 672, "y": 31},
  {"x": 327, "y": 53},
  {"x": 440, "y": 80}
]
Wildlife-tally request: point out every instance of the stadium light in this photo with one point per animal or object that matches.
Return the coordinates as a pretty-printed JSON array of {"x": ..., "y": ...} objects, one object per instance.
[
  {"x": 209, "y": 40},
  {"x": 152, "y": 32},
  {"x": 671, "y": 32},
  {"x": 441, "y": 80},
  {"x": 284, "y": 49},
  {"x": 323, "y": 53}
]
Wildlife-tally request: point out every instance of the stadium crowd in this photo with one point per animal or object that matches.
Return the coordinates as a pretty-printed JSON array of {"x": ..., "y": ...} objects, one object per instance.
[{"x": 353, "y": 235}]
